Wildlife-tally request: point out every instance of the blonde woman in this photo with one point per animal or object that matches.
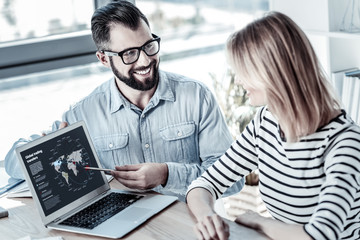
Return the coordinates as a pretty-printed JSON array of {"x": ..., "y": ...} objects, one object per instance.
[{"x": 306, "y": 148}]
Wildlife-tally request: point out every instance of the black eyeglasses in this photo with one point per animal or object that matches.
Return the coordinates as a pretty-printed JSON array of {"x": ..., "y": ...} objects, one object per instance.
[{"x": 131, "y": 55}]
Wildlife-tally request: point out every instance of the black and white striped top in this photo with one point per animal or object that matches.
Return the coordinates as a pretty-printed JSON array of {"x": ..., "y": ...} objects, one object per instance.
[{"x": 315, "y": 181}]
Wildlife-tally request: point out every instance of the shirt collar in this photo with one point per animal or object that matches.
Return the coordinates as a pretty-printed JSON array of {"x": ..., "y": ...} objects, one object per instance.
[
  {"x": 117, "y": 100},
  {"x": 163, "y": 92}
]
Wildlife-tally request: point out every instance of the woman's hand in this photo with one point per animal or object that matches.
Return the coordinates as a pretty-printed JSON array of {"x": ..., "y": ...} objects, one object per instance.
[
  {"x": 272, "y": 228},
  {"x": 212, "y": 227},
  {"x": 250, "y": 219},
  {"x": 209, "y": 225}
]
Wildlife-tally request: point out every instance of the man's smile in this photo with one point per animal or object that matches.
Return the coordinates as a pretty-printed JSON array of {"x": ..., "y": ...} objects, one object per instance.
[{"x": 143, "y": 72}]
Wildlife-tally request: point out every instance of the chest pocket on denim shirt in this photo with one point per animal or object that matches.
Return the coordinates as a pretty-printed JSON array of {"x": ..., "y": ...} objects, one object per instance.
[
  {"x": 112, "y": 149},
  {"x": 180, "y": 141}
]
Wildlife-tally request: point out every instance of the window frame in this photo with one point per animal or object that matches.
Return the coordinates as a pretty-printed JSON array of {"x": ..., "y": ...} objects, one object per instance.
[{"x": 41, "y": 54}]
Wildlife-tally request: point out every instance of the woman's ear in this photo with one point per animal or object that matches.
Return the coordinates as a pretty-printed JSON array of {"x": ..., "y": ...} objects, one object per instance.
[{"x": 103, "y": 58}]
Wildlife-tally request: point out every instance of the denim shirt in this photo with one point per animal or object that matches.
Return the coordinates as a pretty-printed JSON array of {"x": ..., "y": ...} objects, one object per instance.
[{"x": 181, "y": 126}]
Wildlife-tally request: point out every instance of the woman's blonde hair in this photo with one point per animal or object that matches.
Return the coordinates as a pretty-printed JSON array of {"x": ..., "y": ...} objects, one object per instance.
[{"x": 274, "y": 53}]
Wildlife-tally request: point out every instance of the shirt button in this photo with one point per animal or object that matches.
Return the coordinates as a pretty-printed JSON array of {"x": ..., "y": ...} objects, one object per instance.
[
  {"x": 143, "y": 116},
  {"x": 179, "y": 134},
  {"x": 111, "y": 145},
  {"x": 147, "y": 145}
]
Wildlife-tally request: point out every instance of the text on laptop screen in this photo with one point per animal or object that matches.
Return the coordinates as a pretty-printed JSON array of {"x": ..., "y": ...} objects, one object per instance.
[{"x": 57, "y": 169}]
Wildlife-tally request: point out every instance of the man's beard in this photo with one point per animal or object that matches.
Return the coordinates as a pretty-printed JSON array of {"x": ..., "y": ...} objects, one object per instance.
[{"x": 132, "y": 82}]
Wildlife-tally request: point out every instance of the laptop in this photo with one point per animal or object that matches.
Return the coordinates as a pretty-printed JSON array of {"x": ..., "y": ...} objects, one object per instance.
[{"x": 69, "y": 197}]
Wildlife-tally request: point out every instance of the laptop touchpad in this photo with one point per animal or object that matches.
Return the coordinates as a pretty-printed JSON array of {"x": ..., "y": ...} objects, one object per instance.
[{"x": 134, "y": 214}]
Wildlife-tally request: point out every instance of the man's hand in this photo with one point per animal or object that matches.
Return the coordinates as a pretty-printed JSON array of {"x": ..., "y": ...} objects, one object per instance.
[
  {"x": 62, "y": 125},
  {"x": 141, "y": 176}
]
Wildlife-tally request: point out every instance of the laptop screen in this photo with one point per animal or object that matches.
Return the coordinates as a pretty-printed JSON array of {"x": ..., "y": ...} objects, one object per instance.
[{"x": 56, "y": 169}]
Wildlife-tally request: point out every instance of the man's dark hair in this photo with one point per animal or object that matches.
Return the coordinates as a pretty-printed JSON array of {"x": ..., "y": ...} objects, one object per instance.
[{"x": 117, "y": 12}]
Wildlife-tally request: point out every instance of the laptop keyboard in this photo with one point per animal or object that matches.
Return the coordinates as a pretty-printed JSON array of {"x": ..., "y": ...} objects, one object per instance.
[{"x": 100, "y": 211}]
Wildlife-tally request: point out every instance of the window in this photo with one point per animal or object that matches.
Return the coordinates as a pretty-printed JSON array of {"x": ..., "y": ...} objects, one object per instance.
[
  {"x": 193, "y": 33},
  {"x": 45, "y": 34},
  {"x": 24, "y": 19}
]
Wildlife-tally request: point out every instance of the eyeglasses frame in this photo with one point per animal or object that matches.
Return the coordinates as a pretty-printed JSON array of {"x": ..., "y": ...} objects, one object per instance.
[{"x": 120, "y": 54}]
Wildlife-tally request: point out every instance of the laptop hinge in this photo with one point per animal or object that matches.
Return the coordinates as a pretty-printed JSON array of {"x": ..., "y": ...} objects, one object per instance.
[{"x": 56, "y": 220}]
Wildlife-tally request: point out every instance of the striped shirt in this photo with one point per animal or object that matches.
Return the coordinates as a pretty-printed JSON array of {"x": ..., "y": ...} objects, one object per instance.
[{"x": 314, "y": 182}]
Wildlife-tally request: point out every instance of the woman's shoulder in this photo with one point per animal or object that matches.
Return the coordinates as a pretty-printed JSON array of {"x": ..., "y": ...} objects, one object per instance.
[
  {"x": 342, "y": 132},
  {"x": 343, "y": 123},
  {"x": 263, "y": 119},
  {"x": 263, "y": 115}
]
